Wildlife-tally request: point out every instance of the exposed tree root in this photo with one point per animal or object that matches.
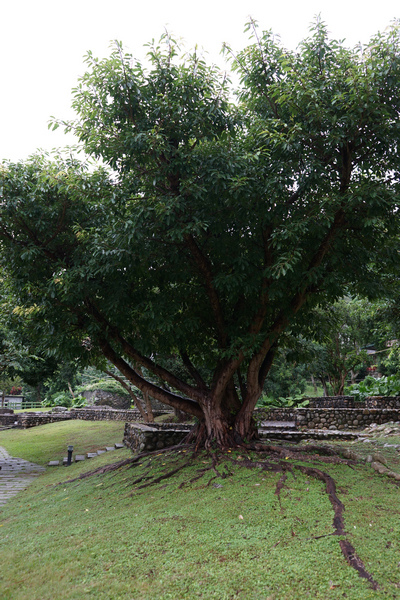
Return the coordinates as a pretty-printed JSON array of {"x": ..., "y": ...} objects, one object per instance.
[
  {"x": 274, "y": 459},
  {"x": 356, "y": 562},
  {"x": 338, "y": 507},
  {"x": 196, "y": 478},
  {"x": 162, "y": 477},
  {"x": 101, "y": 470},
  {"x": 279, "y": 487},
  {"x": 129, "y": 461},
  {"x": 325, "y": 453},
  {"x": 338, "y": 522}
]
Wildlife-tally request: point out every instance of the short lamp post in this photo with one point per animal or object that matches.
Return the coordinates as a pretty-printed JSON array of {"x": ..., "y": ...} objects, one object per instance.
[{"x": 69, "y": 459}]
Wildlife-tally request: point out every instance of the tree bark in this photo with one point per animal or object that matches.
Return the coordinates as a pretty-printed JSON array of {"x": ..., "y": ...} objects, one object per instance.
[{"x": 149, "y": 408}]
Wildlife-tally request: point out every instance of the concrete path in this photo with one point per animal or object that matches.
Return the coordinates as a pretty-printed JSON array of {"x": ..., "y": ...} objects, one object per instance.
[{"x": 15, "y": 475}]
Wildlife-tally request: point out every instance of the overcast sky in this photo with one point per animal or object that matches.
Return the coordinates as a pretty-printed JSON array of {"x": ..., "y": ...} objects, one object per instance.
[{"x": 42, "y": 44}]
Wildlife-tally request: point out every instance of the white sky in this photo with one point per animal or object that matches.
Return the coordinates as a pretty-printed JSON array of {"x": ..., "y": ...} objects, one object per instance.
[{"x": 42, "y": 44}]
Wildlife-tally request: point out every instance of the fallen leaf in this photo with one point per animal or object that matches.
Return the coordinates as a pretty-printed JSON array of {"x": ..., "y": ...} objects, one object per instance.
[{"x": 240, "y": 517}]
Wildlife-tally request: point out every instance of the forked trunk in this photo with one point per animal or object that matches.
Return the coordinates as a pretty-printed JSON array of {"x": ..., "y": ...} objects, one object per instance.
[
  {"x": 221, "y": 427},
  {"x": 215, "y": 430}
]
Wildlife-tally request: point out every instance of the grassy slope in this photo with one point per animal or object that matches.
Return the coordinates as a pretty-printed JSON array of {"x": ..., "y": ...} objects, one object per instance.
[
  {"x": 103, "y": 538},
  {"x": 49, "y": 442}
]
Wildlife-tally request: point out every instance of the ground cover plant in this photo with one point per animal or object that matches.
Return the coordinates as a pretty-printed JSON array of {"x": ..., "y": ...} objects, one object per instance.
[{"x": 223, "y": 526}]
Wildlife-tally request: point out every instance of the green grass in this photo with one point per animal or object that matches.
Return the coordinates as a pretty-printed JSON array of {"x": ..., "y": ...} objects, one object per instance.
[
  {"x": 25, "y": 410},
  {"x": 105, "y": 539},
  {"x": 49, "y": 442}
]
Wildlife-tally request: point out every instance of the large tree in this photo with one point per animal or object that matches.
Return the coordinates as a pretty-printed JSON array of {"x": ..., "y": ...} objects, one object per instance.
[{"x": 214, "y": 227}]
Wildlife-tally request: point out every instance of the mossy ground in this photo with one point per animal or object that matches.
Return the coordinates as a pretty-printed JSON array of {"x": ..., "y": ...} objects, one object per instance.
[{"x": 225, "y": 538}]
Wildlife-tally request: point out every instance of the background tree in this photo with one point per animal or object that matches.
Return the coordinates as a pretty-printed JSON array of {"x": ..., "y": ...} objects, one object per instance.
[
  {"x": 340, "y": 332},
  {"x": 220, "y": 226}
]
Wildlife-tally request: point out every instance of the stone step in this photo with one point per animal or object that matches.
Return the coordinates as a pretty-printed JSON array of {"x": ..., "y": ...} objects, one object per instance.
[
  {"x": 281, "y": 425},
  {"x": 310, "y": 434}
]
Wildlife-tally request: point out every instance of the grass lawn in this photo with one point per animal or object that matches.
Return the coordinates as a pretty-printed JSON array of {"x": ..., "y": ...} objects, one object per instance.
[
  {"x": 223, "y": 538},
  {"x": 49, "y": 442},
  {"x": 25, "y": 410}
]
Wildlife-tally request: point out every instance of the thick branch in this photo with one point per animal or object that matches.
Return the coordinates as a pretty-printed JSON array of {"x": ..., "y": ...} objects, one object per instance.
[
  {"x": 126, "y": 387},
  {"x": 145, "y": 362},
  {"x": 204, "y": 266},
  {"x": 158, "y": 393},
  {"x": 193, "y": 371}
]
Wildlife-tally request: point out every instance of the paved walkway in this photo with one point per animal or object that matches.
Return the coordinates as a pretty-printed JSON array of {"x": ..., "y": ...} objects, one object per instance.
[{"x": 15, "y": 475}]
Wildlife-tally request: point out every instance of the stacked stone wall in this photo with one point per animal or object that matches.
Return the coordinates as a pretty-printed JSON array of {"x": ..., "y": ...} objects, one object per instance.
[
  {"x": 331, "y": 418},
  {"x": 350, "y": 402},
  {"x": 32, "y": 419},
  {"x": 6, "y": 420},
  {"x": 141, "y": 438},
  {"x": 27, "y": 420},
  {"x": 109, "y": 414}
]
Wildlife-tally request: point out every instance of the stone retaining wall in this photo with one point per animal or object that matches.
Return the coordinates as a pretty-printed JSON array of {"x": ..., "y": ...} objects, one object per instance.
[
  {"x": 32, "y": 419},
  {"x": 350, "y": 402},
  {"x": 312, "y": 418},
  {"x": 26, "y": 420},
  {"x": 331, "y": 418},
  {"x": 111, "y": 414},
  {"x": 106, "y": 414},
  {"x": 139, "y": 437},
  {"x": 6, "y": 420}
]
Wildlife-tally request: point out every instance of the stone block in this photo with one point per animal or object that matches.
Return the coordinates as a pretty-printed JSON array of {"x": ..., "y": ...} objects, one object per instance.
[
  {"x": 109, "y": 448},
  {"x": 54, "y": 463},
  {"x": 79, "y": 457}
]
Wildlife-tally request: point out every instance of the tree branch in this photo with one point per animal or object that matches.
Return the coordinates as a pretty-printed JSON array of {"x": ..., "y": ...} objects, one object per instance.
[
  {"x": 204, "y": 266},
  {"x": 193, "y": 371},
  {"x": 126, "y": 387},
  {"x": 193, "y": 408},
  {"x": 145, "y": 362}
]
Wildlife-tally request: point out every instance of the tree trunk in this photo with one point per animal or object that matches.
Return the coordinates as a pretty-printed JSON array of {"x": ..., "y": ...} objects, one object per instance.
[
  {"x": 149, "y": 408},
  {"x": 245, "y": 425},
  {"x": 216, "y": 429},
  {"x": 324, "y": 386},
  {"x": 353, "y": 376},
  {"x": 314, "y": 384}
]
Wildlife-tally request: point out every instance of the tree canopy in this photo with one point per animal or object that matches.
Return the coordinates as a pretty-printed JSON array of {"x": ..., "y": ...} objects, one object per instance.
[{"x": 214, "y": 226}]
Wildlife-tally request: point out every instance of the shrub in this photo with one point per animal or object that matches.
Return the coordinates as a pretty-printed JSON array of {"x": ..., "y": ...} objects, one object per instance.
[
  {"x": 370, "y": 386},
  {"x": 79, "y": 402},
  {"x": 58, "y": 399},
  {"x": 281, "y": 402}
]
